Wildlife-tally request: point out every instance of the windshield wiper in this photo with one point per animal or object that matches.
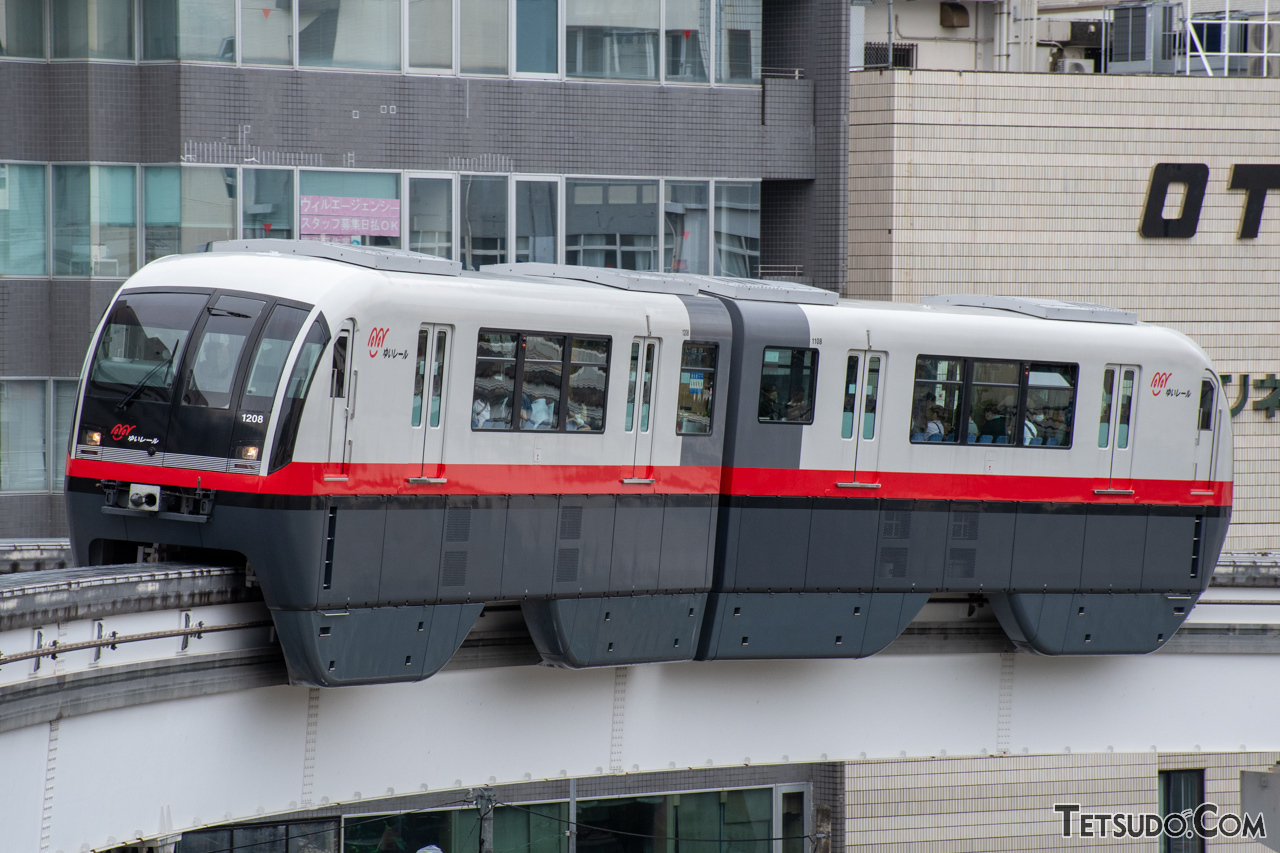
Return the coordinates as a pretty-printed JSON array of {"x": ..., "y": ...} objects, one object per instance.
[
  {"x": 223, "y": 312},
  {"x": 137, "y": 389}
]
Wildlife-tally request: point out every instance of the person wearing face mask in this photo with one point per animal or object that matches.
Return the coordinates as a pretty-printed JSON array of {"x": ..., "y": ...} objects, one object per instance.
[{"x": 1033, "y": 426}]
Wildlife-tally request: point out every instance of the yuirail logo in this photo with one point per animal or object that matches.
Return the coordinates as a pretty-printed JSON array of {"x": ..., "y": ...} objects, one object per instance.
[
  {"x": 1158, "y": 383},
  {"x": 119, "y": 431},
  {"x": 377, "y": 337}
]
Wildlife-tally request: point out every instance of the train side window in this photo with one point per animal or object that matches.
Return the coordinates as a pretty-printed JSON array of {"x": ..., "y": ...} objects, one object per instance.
[
  {"x": 420, "y": 375},
  {"x": 338, "y": 378},
  {"x": 492, "y": 406},
  {"x": 1104, "y": 416},
  {"x": 850, "y": 397},
  {"x": 1206, "y": 404},
  {"x": 697, "y": 389},
  {"x": 541, "y": 382},
  {"x": 869, "y": 398},
  {"x": 588, "y": 383},
  {"x": 295, "y": 393},
  {"x": 1050, "y": 405},
  {"x": 787, "y": 379},
  {"x": 437, "y": 377},
  {"x": 560, "y": 382},
  {"x": 993, "y": 403},
  {"x": 631, "y": 385},
  {"x": 1126, "y": 410},
  {"x": 939, "y": 391}
]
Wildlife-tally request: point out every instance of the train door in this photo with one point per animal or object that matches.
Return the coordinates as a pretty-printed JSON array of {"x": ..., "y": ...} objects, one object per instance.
[
  {"x": 428, "y": 399},
  {"x": 860, "y": 429},
  {"x": 1116, "y": 423},
  {"x": 640, "y": 397},
  {"x": 1206, "y": 433},
  {"x": 341, "y": 399}
]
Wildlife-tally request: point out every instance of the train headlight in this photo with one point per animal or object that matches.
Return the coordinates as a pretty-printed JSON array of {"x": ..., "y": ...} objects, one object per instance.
[
  {"x": 91, "y": 437},
  {"x": 250, "y": 452}
]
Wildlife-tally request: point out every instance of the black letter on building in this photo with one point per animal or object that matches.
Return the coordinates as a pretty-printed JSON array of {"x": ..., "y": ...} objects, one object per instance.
[
  {"x": 1196, "y": 177},
  {"x": 1066, "y": 810},
  {"x": 1257, "y": 180}
]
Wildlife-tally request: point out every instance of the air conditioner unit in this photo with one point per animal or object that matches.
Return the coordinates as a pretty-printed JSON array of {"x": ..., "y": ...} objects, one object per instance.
[
  {"x": 1143, "y": 39},
  {"x": 1074, "y": 66},
  {"x": 1269, "y": 68}
]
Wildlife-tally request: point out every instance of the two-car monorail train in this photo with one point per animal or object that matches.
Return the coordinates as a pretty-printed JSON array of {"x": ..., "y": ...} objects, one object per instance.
[{"x": 654, "y": 467}]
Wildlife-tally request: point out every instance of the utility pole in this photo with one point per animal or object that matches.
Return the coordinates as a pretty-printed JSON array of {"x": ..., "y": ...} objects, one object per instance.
[{"x": 483, "y": 798}]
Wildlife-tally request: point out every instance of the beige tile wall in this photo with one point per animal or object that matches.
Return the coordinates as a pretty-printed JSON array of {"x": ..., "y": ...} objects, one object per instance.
[
  {"x": 1005, "y": 803},
  {"x": 1034, "y": 185}
]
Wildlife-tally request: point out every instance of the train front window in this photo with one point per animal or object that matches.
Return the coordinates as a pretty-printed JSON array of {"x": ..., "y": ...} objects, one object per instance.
[
  {"x": 295, "y": 393},
  {"x": 231, "y": 320},
  {"x": 268, "y": 361},
  {"x": 141, "y": 344}
]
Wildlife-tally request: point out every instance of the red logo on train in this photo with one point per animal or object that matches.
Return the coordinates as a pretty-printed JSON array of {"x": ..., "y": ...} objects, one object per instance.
[
  {"x": 377, "y": 337},
  {"x": 1158, "y": 381},
  {"x": 119, "y": 431}
]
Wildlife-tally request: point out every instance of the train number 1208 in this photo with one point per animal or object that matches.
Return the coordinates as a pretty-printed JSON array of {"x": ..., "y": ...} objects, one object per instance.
[{"x": 250, "y": 418}]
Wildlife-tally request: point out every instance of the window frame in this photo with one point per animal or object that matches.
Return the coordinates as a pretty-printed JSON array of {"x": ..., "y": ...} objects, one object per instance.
[
  {"x": 965, "y": 412},
  {"x": 53, "y": 446},
  {"x": 566, "y": 366},
  {"x": 711, "y": 415},
  {"x": 813, "y": 383}
]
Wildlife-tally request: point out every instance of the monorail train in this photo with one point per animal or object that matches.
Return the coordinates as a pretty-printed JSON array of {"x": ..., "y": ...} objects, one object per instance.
[{"x": 654, "y": 467}]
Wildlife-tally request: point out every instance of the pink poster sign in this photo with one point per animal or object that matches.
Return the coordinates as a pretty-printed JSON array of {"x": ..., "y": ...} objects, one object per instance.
[{"x": 341, "y": 216}]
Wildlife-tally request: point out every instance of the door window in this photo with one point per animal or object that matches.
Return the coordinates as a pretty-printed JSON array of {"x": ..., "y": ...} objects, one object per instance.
[
  {"x": 1126, "y": 409},
  {"x": 1104, "y": 416},
  {"x": 850, "y": 397},
  {"x": 873, "y": 390},
  {"x": 338, "y": 378}
]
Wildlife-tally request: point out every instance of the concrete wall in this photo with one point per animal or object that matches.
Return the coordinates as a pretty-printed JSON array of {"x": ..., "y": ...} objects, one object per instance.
[{"x": 1035, "y": 184}]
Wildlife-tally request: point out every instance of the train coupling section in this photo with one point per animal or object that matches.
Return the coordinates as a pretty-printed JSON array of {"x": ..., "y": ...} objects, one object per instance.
[{"x": 170, "y": 503}]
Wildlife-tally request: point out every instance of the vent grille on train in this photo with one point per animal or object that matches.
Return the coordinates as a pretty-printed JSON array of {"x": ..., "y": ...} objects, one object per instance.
[
  {"x": 457, "y": 525},
  {"x": 895, "y": 524},
  {"x": 454, "y": 569},
  {"x": 893, "y": 562},
  {"x": 567, "y": 565},
  {"x": 961, "y": 562},
  {"x": 964, "y": 526},
  {"x": 571, "y": 522}
]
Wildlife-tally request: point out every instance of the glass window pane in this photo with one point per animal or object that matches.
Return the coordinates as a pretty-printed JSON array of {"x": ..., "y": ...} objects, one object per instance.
[
  {"x": 793, "y": 836},
  {"x": 540, "y": 385},
  {"x": 203, "y": 30},
  {"x": 873, "y": 389},
  {"x": 495, "y": 380},
  {"x": 22, "y": 23},
  {"x": 1206, "y": 405},
  {"x": 616, "y": 41},
  {"x": 850, "y": 397},
  {"x": 536, "y": 36},
  {"x": 588, "y": 382},
  {"x": 483, "y": 203},
  {"x": 64, "y": 409},
  {"x": 688, "y": 27},
  {"x": 1104, "y": 418},
  {"x": 535, "y": 222},
  {"x": 420, "y": 376},
  {"x": 141, "y": 344},
  {"x": 295, "y": 393},
  {"x": 646, "y": 385},
  {"x": 218, "y": 353},
  {"x": 787, "y": 379},
  {"x": 483, "y": 25},
  {"x": 338, "y": 370},
  {"x": 631, "y": 385},
  {"x": 268, "y": 362},
  {"x": 1126, "y": 410},
  {"x": 993, "y": 403},
  {"x": 537, "y": 828},
  {"x": 739, "y": 47},
  {"x": 431, "y": 34},
  {"x": 360, "y": 208},
  {"x": 1051, "y": 405},
  {"x": 431, "y": 216},
  {"x": 268, "y": 204},
  {"x": 686, "y": 218},
  {"x": 266, "y": 32},
  {"x": 258, "y": 839},
  {"x": 349, "y": 34},
  {"x": 314, "y": 837},
  {"x": 935, "y": 412},
  {"x": 23, "y": 418},
  {"x": 184, "y": 208},
  {"x": 208, "y": 841},
  {"x": 437, "y": 376},
  {"x": 697, "y": 389},
  {"x": 738, "y": 229},
  {"x": 23, "y": 244},
  {"x": 95, "y": 223},
  {"x": 92, "y": 29},
  {"x": 611, "y": 223}
]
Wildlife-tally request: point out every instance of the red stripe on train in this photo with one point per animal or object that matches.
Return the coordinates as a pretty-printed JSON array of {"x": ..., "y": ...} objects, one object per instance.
[{"x": 305, "y": 478}]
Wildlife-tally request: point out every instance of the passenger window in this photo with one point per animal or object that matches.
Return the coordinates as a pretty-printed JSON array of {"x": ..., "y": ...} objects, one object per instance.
[
  {"x": 1126, "y": 409},
  {"x": 938, "y": 394},
  {"x": 697, "y": 389},
  {"x": 437, "y": 378},
  {"x": 541, "y": 381},
  {"x": 631, "y": 385},
  {"x": 491, "y": 406},
  {"x": 420, "y": 375},
  {"x": 873, "y": 390},
  {"x": 588, "y": 376},
  {"x": 1051, "y": 405},
  {"x": 850, "y": 397},
  {"x": 993, "y": 403},
  {"x": 787, "y": 379},
  {"x": 560, "y": 382},
  {"x": 1206, "y": 404},
  {"x": 338, "y": 378},
  {"x": 1104, "y": 417}
]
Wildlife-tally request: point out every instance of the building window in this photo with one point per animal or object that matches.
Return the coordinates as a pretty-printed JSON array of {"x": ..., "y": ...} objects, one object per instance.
[
  {"x": 741, "y": 820},
  {"x": 686, "y": 218},
  {"x": 484, "y": 41},
  {"x": 483, "y": 209},
  {"x": 93, "y": 29},
  {"x": 23, "y": 248},
  {"x": 35, "y": 422},
  {"x": 1181, "y": 792},
  {"x": 268, "y": 204},
  {"x": 431, "y": 216},
  {"x": 612, "y": 223},
  {"x": 738, "y": 229},
  {"x": 22, "y": 23},
  {"x": 361, "y": 208},
  {"x": 431, "y": 34},
  {"x": 537, "y": 35},
  {"x": 203, "y": 30},
  {"x": 266, "y": 32},
  {"x": 688, "y": 27},
  {"x": 612, "y": 41},
  {"x": 738, "y": 53},
  {"x": 183, "y": 208},
  {"x": 95, "y": 221},
  {"x": 536, "y": 221},
  {"x": 349, "y": 34}
]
